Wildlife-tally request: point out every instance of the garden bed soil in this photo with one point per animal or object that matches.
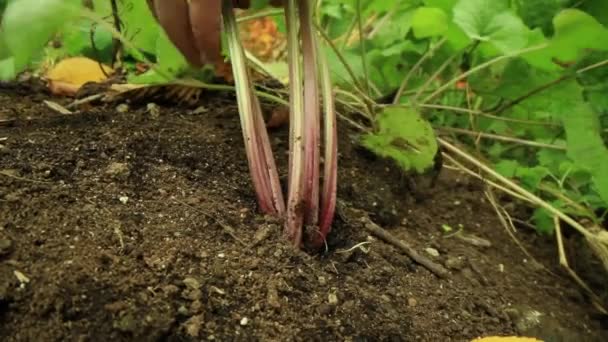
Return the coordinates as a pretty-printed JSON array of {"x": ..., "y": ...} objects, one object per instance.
[{"x": 130, "y": 224}]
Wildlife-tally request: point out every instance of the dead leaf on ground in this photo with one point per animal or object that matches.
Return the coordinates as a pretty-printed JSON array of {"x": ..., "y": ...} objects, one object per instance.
[{"x": 70, "y": 74}]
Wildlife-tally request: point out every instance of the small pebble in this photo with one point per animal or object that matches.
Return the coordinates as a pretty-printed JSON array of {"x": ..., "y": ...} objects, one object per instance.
[
  {"x": 5, "y": 246},
  {"x": 332, "y": 299},
  {"x": 122, "y": 108},
  {"x": 412, "y": 302},
  {"x": 455, "y": 263},
  {"x": 192, "y": 283},
  {"x": 432, "y": 252},
  {"x": 244, "y": 321}
]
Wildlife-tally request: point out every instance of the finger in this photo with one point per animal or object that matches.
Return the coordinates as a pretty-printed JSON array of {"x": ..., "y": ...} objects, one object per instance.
[
  {"x": 206, "y": 23},
  {"x": 174, "y": 18}
]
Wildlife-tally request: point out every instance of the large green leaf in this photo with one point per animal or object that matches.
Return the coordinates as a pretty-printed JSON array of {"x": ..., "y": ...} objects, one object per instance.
[
  {"x": 404, "y": 136},
  {"x": 445, "y": 5},
  {"x": 140, "y": 27},
  {"x": 597, "y": 8},
  {"x": 575, "y": 32},
  {"x": 429, "y": 22},
  {"x": 539, "y": 13},
  {"x": 491, "y": 21},
  {"x": 29, "y": 24}
]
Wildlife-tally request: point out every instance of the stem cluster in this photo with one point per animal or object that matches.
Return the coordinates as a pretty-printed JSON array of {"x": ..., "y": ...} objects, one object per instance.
[{"x": 309, "y": 204}]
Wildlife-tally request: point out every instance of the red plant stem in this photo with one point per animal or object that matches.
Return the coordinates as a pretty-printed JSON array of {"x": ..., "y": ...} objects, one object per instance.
[
  {"x": 295, "y": 201},
  {"x": 257, "y": 143},
  {"x": 330, "y": 172},
  {"x": 272, "y": 174},
  {"x": 311, "y": 113}
]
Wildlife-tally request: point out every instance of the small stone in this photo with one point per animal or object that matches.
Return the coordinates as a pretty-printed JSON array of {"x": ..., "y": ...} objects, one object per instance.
[
  {"x": 272, "y": 297},
  {"x": 412, "y": 302},
  {"x": 5, "y": 246},
  {"x": 12, "y": 197},
  {"x": 192, "y": 283},
  {"x": 196, "y": 306},
  {"x": 183, "y": 310},
  {"x": 123, "y": 199},
  {"x": 432, "y": 252},
  {"x": 23, "y": 279},
  {"x": 193, "y": 325},
  {"x": 262, "y": 234},
  {"x": 455, "y": 263},
  {"x": 153, "y": 110},
  {"x": 170, "y": 289},
  {"x": 332, "y": 299},
  {"x": 244, "y": 321},
  {"x": 122, "y": 108},
  {"x": 117, "y": 170},
  {"x": 4, "y": 150},
  {"x": 192, "y": 295}
]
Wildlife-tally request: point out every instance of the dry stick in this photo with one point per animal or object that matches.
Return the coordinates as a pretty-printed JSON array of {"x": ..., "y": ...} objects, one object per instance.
[
  {"x": 387, "y": 237},
  {"x": 501, "y": 138},
  {"x": 507, "y": 223},
  {"x": 563, "y": 261},
  {"x": 84, "y": 100},
  {"x": 470, "y": 172},
  {"x": 531, "y": 197},
  {"x": 375, "y": 229},
  {"x": 6, "y": 174},
  {"x": 116, "y": 45},
  {"x": 485, "y": 115},
  {"x": 363, "y": 47}
]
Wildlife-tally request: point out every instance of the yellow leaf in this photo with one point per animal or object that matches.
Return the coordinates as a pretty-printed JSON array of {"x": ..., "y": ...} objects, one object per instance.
[{"x": 67, "y": 76}]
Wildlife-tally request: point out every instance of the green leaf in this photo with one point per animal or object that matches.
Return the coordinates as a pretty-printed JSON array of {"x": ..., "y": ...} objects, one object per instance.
[
  {"x": 29, "y": 24},
  {"x": 598, "y": 9},
  {"x": 168, "y": 57},
  {"x": 7, "y": 69},
  {"x": 539, "y": 13},
  {"x": 576, "y": 30},
  {"x": 429, "y": 22},
  {"x": 404, "y": 136},
  {"x": 445, "y": 5},
  {"x": 140, "y": 27},
  {"x": 491, "y": 21}
]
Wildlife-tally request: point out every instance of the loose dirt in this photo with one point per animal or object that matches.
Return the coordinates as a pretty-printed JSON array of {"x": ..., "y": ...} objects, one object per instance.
[{"x": 128, "y": 224}]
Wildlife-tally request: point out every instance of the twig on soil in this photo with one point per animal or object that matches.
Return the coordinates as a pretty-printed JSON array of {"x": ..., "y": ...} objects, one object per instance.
[
  {"x": 563, "y": 261},
  {"x": 57, "y": 107},
  {"x": 7, "y": 174},
  {"x": 507, "y": 222},
  {"x": 228, "y": 229},
  {"x": 3, "y": 138},
  {"x": 380, "y": 232},
  {"x": 384, "y": 235},
  {"x": 84, "y": 100}
]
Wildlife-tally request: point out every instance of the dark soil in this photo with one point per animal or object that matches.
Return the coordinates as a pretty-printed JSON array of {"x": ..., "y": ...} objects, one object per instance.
[{"x": 135, "y": 225}]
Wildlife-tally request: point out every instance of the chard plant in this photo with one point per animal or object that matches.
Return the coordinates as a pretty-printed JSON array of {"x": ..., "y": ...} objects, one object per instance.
[{"x": 309, "y": 205}]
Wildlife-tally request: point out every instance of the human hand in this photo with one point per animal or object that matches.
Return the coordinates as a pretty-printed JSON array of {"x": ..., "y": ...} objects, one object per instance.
[{"x": 194, "y": 26}]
